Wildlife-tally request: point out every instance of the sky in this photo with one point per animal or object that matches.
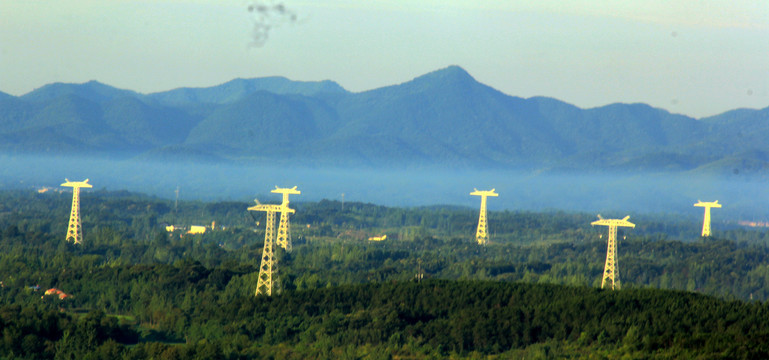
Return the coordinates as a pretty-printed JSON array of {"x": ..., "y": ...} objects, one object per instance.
[{"x": 692, "y": 57}]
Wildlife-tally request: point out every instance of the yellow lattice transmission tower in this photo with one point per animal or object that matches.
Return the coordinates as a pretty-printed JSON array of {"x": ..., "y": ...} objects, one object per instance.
[
  {"x": 706, "y": 221},
  {"x": 611, "y": 270},
  {"x": 75, "y": 228},
  {"x": 268, "y": 270},
  {"x": 482, "y": 234},
  {"x": 284, "y": 230}
]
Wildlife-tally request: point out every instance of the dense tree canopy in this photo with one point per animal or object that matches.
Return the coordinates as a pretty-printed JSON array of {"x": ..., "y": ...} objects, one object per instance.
[{"x": 137, "y": 291}]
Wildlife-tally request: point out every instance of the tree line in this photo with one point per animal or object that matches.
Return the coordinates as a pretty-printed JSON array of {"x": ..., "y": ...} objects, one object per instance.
[{"x": 155, "y": 294}]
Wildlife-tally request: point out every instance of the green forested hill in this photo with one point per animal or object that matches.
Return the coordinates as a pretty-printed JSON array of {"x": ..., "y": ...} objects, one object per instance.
[
  {"x": 431, "y": 319},
  {"x": 136, "y": 291}
]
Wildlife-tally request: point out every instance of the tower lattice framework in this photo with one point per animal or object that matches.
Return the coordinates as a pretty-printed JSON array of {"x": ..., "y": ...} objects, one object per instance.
[
  {"x": 75, "y": 228},
  {"x": 482, "y": 234},
  {"x": 284, "y": 230},
  {"x": 611, "y": 269},
  {"x": 269, "y": 281},
  {"x": 269, "y": 263},
  {"x": 706, "y": 220}
]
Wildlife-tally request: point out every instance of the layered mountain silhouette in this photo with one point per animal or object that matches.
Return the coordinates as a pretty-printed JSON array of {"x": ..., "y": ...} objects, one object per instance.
[{"x": 443, "y": 118}]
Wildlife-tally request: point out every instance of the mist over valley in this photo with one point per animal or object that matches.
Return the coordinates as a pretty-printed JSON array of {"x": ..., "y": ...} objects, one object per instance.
[{"x": 610, "y": 194}]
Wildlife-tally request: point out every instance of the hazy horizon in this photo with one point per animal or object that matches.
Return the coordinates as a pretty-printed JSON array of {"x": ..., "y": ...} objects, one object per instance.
[
  {"x": 693, "y": 58},
  {"x": 608, "y": 194}
]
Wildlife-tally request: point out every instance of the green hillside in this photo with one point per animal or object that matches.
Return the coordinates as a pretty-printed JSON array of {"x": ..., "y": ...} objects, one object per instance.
[{"x": 135, "y": 291}]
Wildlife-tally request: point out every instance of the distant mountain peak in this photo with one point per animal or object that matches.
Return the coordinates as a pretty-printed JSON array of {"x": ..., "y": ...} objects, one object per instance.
[
  {"x": 451, "y": 76},
  {"x": 454, "y": 69},
  {"x": 450, "y": 73}
]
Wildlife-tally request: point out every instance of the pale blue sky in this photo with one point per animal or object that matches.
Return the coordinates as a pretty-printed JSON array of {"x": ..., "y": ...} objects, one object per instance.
[{"x": 695, "y": 57}]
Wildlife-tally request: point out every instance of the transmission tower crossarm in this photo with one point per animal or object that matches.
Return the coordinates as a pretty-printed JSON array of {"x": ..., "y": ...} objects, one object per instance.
[
  {"x": 712, "y": 204},
  {"x": 614, "y": 222},
  {"x": 77, "y": 184},
  {"x": 286, "y": 192},
  {"x": 484, "y": 192},
  {"x": 271, "y": 207},
  {"x": 280, "y": 190}
]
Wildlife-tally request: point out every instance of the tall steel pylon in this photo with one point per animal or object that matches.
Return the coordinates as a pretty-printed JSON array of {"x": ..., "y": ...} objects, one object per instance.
[
  {"x": 75, "y": 228},
  {"x": 611, "y": 270},
  {"x": 482, "y": 234},
  {"x": 706, "y": 221},
  {"x": 268, "y": 270},
  {"x": 284, "y": 230}
]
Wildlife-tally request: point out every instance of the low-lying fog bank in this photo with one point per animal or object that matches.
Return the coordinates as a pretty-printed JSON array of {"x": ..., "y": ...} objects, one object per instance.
[{"x": 608, "y": 194}]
